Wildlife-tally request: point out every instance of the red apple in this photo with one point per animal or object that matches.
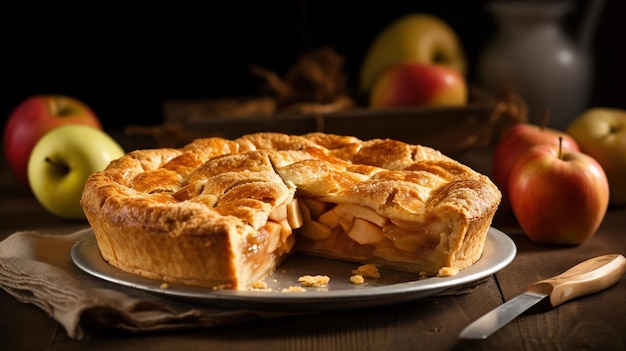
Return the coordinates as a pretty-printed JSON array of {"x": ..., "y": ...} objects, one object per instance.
[
  {"x": 419, "y": 84},
  {"x": 514, "y": 142},
  {"x": 33, "y": 118},
  {"x": 417, "y": 37},
  {"x": 558, "y": 196}
]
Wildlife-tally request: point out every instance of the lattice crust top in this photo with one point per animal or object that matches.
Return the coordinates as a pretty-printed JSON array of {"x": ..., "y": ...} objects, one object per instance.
[{"x": 231, "y": 188}]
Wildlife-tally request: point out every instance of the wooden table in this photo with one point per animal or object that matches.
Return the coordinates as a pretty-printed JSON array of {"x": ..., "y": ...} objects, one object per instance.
[{"x": 596, "y": 322}]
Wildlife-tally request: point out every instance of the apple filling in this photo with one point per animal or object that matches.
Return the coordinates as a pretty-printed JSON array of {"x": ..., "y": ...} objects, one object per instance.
[
  {"x": 360, "y": 234},
  {"x": 346, "y": 230},
  {"x": 280, "y": 225},
  {"x": 273, "y": 242}
]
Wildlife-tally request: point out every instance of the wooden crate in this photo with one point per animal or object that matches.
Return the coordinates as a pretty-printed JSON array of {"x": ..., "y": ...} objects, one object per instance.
[{"x": 449, "y": 129}]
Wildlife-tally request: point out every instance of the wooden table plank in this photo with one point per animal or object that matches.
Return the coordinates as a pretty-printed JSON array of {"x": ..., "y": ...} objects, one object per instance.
[
  {"x": 591, "y": 322},
  {"x": 431, "y": 321},
  {"x": 596, "y": 322}
]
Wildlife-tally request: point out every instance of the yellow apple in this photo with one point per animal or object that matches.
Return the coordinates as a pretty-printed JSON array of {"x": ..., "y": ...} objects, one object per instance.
[
  {"x": 419, "y": 84},
  {"x": 62, "y": 160},
  {"x": 601, "y": 134},
  {"x": 415, "y": 37}
]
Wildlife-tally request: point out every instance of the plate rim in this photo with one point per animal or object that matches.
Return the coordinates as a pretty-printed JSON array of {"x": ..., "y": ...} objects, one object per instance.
[{"x": 82, "y": 255}]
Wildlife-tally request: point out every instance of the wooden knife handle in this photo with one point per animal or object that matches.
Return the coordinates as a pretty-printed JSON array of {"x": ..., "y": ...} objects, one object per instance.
[{"x": 585, "y": 278}]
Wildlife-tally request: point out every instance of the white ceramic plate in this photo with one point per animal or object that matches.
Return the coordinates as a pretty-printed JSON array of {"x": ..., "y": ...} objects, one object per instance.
[{"x": 391, "y": 287}]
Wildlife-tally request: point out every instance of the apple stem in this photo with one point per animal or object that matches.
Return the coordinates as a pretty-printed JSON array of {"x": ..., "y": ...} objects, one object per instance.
[
  {"x": 60, "y": 108},
  {"x": 546, "y": 119},
  {"x": 61, "y": 166},
  {"x": 560, "y": 155}
]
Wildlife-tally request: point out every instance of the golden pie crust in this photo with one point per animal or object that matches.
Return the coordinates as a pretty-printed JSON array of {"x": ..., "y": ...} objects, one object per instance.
[{"x": 223, "y": 213}]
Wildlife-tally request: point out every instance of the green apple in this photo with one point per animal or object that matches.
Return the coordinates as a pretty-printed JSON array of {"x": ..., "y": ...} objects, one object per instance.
[
  {"x": 601, "y": 134},
  {"x": 61, "y": 162}
]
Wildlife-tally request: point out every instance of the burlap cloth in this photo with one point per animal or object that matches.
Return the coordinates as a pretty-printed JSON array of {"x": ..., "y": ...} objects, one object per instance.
[{"x": 37, "y": 268}]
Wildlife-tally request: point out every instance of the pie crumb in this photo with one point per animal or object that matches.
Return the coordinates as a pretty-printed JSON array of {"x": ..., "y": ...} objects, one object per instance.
[
  {"x": 259, "y": 285},
  {"x": 314, "y": 280},
  {"x": 357, "y": 279},
  {"x": 367, "y": 270},
  {"x": 447, "y": 272},
  {"x": 294, "y": 289}
]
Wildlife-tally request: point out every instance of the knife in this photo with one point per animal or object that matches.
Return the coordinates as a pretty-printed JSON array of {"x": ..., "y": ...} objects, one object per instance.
[{"x": 585, "y": 278}]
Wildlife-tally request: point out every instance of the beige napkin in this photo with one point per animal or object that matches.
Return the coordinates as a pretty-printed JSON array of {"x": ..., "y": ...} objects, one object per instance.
[{"x": 37, "y": 268}]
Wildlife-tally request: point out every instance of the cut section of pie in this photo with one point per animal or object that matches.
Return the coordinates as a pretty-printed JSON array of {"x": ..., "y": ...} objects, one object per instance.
[{"x": 223, "y": 213}]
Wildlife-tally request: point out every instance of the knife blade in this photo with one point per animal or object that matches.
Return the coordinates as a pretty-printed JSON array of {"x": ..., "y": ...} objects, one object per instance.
[{"x": 588, "y": 277}]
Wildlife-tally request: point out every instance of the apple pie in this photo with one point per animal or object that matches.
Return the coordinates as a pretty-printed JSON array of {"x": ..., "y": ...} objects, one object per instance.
[{"x": 223, "y": 213}]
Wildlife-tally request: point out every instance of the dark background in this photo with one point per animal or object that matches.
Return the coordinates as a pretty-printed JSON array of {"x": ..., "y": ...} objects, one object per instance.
[{"x": 125, "y": 60}]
